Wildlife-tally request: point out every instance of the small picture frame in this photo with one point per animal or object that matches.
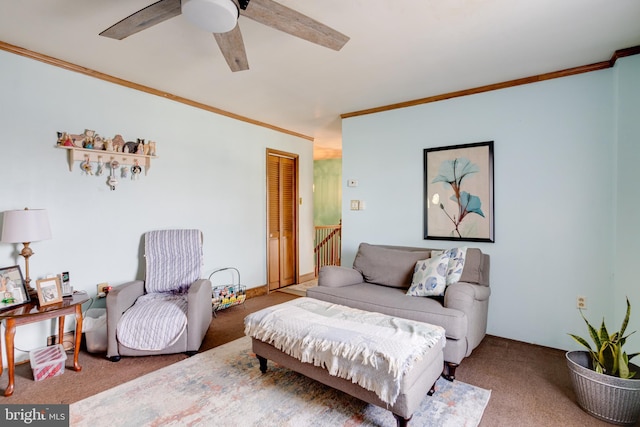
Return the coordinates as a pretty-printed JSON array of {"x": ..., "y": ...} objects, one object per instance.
[
  {"x": 49, "y": 291},
  {"x": 13, "y": 291}
]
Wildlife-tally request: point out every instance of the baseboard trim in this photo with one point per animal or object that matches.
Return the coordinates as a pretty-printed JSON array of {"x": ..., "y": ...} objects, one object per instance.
[
  {"x": 307, "y": 277},
  {"x": 256, "y": 292}
]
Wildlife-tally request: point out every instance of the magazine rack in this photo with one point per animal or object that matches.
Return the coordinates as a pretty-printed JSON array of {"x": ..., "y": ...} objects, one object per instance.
[{"x": 225, "y": 296}]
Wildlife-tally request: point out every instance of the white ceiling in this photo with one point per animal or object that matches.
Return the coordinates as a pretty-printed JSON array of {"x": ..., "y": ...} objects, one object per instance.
[{"x": 400, "y": 50}]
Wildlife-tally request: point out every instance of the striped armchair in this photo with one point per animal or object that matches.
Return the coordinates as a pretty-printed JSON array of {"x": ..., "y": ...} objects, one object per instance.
[{"x": 168, "y": 312}]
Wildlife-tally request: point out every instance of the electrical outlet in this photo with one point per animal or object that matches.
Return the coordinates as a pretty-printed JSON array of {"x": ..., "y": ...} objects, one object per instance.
[
  {"x": 355, "y": 205},
  {"x": 581, "y": 302},
  {"x": 103, "y": 289}
]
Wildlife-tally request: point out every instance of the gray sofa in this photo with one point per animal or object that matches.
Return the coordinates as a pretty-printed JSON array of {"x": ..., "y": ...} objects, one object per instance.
[{"x": 379, "y": 281}]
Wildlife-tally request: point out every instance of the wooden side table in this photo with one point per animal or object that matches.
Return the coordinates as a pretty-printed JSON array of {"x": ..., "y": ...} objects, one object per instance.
[{"x": 32, "y": 312}]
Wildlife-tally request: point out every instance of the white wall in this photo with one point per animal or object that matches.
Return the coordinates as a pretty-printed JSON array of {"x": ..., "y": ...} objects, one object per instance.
[
  {"x": 555, "y": 201},
  {"x": 209, "y": 174}
]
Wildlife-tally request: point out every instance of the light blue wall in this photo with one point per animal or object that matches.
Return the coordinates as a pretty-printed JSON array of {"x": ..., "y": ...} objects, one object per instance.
[
  {"x": 555, "y": 192},
  {"x": 628, "y": 197},
  {"x": 210, "y": 174}
]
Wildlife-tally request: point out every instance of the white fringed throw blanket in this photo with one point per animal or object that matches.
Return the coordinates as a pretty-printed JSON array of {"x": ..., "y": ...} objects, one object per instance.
[
  {"x": 158, "y": 318},
  {"x": 372, "y": 350}
]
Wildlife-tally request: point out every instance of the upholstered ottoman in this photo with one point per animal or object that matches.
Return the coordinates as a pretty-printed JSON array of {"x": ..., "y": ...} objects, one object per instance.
[{"x": 389, "y": 362}]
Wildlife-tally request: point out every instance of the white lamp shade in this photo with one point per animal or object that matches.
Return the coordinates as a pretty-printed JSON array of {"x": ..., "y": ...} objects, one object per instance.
[
  {"x": 24, "y": 226},
  {"x": 214, "y": 16}
]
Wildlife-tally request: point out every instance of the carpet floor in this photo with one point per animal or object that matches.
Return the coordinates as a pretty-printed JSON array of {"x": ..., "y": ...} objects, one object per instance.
[
  {"x": 530, "y": 384},
  {"x": 225, "y": 387}
]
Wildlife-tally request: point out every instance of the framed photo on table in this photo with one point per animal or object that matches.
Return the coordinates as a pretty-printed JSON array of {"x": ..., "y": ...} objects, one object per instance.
[
  {"x": 13, "y": 291},
  {"x": 49, "y": 291}
]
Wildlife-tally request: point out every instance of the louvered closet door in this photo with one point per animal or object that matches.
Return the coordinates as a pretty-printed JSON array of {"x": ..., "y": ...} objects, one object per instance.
[{"x": 282, "y": 216}]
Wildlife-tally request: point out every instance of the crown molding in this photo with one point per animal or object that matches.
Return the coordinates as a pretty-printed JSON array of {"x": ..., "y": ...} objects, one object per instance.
[
  {"x": 511, "y": 83},
  {"x": 115, "y": 80}
]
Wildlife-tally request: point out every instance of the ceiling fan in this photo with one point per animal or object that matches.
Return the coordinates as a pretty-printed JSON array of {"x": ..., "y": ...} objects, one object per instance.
[{"x": 220, "y": 18}]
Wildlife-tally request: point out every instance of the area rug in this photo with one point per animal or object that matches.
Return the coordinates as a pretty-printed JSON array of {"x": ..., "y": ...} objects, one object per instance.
[
  {"x": 300, "y": 289},
  {"x": 224, "y": 387}
]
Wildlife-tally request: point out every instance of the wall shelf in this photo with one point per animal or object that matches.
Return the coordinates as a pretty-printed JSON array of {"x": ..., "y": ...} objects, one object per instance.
[{"x": 82, "y": 154}]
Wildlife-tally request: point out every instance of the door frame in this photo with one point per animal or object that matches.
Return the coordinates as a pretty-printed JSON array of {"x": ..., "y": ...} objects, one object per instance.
[{"x": 296, "y": 250}]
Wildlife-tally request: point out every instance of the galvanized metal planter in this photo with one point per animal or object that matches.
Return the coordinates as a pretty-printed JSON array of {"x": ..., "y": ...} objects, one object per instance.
[{"x": 612, "y": 399}]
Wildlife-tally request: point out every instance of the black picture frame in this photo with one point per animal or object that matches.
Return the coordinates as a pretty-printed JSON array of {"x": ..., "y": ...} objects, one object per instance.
[
  {"x": 458, "y": 193},
  {"x": 13, "y": 289}
]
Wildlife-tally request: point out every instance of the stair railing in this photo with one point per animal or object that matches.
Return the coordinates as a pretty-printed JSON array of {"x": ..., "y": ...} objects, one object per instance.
[{"x": 327, "y": 250}]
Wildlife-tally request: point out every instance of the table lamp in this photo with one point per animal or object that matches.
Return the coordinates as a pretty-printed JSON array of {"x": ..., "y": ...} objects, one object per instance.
[{"x": 26, "y": 226}]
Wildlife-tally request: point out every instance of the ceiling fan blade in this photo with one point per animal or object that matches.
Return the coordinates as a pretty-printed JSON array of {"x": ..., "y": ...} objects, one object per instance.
[
  {"x": 282, "y": 18},
  {"x": 232, "y": 48},
  {"x": 144, "y": 18}
]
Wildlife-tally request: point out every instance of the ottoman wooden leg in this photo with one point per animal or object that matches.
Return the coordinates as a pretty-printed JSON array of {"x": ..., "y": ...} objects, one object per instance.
[
  {"x": 263, "y": 364},
  {"x": 401, "y": 421},
  {"x": 432, "y": 390}
]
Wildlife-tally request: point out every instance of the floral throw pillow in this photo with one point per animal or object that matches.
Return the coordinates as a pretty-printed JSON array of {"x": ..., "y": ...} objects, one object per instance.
[
  {"x": 456, "y": 263},
  {"x": 429, "y": 276}
]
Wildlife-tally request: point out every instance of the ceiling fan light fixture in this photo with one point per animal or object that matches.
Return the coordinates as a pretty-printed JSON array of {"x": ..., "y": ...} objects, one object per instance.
[{"x": 214, "y": 16}]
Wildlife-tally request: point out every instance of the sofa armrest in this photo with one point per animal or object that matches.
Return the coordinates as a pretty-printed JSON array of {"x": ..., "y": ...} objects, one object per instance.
[
  {"x": 119, "y": 299},
  {"x": 333, "y": 276},
  {"x": 199, "y": 313},
  {"x": 463, "y": 295}
]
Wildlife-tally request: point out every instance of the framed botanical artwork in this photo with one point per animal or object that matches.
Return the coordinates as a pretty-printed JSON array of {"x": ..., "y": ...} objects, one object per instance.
[
  {"x": 49, "y": 291},
  {"x": 13, "y": 291},
  {"x": 458, "y": 192}
]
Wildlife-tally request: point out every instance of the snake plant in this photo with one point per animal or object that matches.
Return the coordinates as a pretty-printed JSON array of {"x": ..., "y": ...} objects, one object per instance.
[{"x": 607, "y": 356}]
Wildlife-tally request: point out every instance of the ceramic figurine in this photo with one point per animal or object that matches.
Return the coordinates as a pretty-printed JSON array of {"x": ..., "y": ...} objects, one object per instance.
[
  {"x": 152, "y": 148},
  {"x": 108, "y": 144},
  {"x": 100, "y": 169},
  {"x": 88, "y": 138},
  {"x": 130, "y": 147},
  {"x": 118, "y": 143},
  {"x": 67, "y": 142},
  {"x": 112, "y": 181},
  {"x": 140, "y": 147},
  {"x": 98, "y": 143},
  {"x": 135, "y": 170},
  {"x": 78, "y": 140},
  {"x": 86, "y": 167}
]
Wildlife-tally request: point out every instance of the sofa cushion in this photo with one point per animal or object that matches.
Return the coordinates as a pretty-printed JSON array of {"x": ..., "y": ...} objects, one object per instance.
[
  {"x": 430, "y": 276},
  {"x": 335, "y": 276},
  {"x": 456, "y": 263},
  {"x": 476, "y": 268},
  {"x": 388, "y": 267}
]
